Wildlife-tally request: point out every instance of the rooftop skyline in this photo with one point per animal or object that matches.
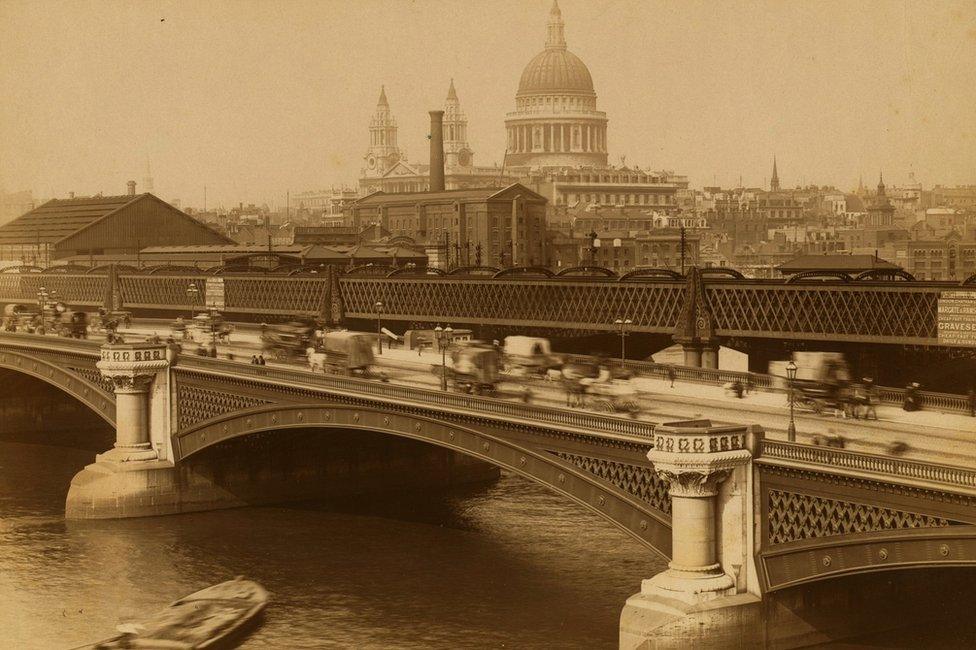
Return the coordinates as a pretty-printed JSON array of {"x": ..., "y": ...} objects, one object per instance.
[{"x": 253, "y": 99}]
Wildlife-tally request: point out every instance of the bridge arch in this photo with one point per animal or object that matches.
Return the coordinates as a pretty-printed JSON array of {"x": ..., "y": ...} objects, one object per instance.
[
  {"x": 633, "y": 516},
  {"x": 586, "y": 271},
  {"x": 652, "y": 274},
  {"x": 885, "y": 274},
  {"x": 818, "y": 276},
  {"x": 92, "y": 396},
  {"x": 721, "y": 271},
  {"x": 527, "y": 271}
]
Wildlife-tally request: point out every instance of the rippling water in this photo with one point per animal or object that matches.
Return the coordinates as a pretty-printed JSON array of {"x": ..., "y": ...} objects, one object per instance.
[{"x": 508, "y": 565}]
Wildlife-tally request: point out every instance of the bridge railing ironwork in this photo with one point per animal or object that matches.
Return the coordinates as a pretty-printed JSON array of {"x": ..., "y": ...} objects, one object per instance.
[
  {"x": 946, "y": 402},
  {"x": 961, "y": 479},
  {"x": 593, "y": 423}
]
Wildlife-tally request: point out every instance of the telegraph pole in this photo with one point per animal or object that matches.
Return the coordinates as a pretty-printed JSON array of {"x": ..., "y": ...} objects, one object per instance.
[{"x": 682, "y": 250}]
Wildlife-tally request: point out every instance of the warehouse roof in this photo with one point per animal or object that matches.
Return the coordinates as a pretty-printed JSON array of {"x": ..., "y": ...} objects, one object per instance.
[{"x": 59, "y": 218}]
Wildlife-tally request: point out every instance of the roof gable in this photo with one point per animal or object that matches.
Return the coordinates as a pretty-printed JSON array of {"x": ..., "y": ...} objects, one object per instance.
[{"x": 59, "y": 218}]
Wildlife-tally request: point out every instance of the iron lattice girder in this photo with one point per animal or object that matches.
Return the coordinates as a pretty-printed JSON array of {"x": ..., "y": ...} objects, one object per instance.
[
  {"x": 653, "y": 307},
  {"x": 899, "y": 313},
  {"x": 884, "y": 314}
]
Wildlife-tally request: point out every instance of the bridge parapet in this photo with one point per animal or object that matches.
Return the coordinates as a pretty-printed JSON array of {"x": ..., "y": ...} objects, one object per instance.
[
  {"x": 435, "y": 400},
  {"x": 948, "y": 478}
]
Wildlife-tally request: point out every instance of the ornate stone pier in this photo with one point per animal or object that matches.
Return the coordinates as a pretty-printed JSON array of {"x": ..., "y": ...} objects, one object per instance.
[
  {"x": 124, "y": 480},
  {"x": 697, "y": 601}
]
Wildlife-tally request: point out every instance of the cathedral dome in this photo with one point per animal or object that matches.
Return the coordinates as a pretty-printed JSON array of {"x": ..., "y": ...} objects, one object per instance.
[{"x": 555, "y": 70}]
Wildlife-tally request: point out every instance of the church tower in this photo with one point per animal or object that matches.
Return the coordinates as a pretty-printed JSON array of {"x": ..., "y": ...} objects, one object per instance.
[
  {"x": 457, "y": 153},
  {"x": 774, "y": 181},
  {"x": 881, "y": 212},
  {"x": 383, "y": 151}
]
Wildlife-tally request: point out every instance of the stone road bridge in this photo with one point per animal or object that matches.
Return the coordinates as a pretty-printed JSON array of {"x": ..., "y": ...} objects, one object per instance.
[
  {"x": 730, "y": 508},
  {"x": 700, "y": 311}
]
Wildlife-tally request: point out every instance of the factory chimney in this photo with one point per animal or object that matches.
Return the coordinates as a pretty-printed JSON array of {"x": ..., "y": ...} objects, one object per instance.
[
  {"x": 437, "y": 151},
  {"x": 132, "y": 188}
]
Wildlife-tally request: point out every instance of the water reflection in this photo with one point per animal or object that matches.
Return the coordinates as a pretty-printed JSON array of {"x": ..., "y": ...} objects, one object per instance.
[{"x": 504, "y": 565}]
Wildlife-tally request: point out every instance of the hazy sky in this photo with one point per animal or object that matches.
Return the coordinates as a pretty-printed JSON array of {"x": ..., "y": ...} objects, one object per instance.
[{"x": 253, "y": 98}]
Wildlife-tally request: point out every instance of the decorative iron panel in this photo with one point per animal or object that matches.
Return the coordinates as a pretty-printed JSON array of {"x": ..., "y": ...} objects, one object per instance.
[
  {"x": 642, "y": 482},
  {"x": 793, "y": 517},
  {"x": 843, "y": 311},
  {"x": 654, "y": 307},
  {"x": 195, "y": 404},
  {"x": 70, "y": 288}
]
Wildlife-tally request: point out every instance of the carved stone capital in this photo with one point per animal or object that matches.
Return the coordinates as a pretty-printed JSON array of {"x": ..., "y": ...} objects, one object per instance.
[
  {"x": 694, "y": 457},
  {"x": 132, "y": 367},
  {"x": 692, "y": 483}
]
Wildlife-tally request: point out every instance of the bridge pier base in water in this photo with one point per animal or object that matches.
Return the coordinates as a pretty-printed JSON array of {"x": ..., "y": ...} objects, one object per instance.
[
  {"x": 139, "y": 477},
  {"x": 703, "y": 597}
]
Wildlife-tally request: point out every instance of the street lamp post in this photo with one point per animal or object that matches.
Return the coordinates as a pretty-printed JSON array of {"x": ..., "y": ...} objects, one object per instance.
[
  {"x": 623, "y": 325},
  {"x": 443, "y": 341},
  {"x": 791, "y": 375},
  {"x": 379, "y": 332},
  {"x": 191, "y": 296},
  {"x": 213, "y": 331}
]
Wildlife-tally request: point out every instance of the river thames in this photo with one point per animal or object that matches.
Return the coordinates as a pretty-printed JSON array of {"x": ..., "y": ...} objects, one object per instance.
[{"x": 506, "y": 565}]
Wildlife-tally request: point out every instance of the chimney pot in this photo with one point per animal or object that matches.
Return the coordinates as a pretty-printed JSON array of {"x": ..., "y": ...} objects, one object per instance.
[
  {"x": 436, "y": 151},
  {"x": 131, "y": 185}
]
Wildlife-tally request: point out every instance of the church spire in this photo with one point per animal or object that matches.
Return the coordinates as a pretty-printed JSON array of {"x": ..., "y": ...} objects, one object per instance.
[
  {"x": 555, "y": 38},
  {"x": 774, "y": 181},
  {"x": 881, "y": 185},
  {"x": 451, "y": 93},
  {"x": 382, "y": 101}
]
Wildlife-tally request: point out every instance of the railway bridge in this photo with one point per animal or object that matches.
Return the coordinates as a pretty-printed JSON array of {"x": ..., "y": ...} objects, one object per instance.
[
  {"x": 744, "y": 520},
  {"x": 885, "y": 325}
]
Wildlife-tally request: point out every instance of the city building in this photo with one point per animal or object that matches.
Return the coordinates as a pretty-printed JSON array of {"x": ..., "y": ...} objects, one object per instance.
[
  {"x": 556, "y": 122},
  {"x": 960, "y": 196},
  {"x": 483, "y": 226},
  {"x": 97, "y": 225},
  {"x": 557, "y": 139},
  {"x": 388, "y": 170},
  {"x": 626, "y": 251},
  {"x": 880, "y": 212},
  {"x": 323, "y": 206},
  {"x": 777, "y": 207},
  {"x": 950, "y": 258}
]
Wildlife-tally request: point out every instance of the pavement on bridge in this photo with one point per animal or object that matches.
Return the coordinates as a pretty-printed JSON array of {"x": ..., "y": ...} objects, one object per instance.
[{"x": 930, "y": 435}]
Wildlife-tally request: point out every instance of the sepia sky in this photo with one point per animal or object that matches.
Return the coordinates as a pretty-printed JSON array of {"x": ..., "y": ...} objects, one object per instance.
[{"x": 253, "y": 98}]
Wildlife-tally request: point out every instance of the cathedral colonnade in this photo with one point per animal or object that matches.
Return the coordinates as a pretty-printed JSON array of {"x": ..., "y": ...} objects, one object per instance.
[{"x": 557, "y": 137}]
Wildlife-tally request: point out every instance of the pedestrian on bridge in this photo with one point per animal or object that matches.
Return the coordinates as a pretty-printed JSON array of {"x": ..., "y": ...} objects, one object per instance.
[{"x": 671, "y": 376}]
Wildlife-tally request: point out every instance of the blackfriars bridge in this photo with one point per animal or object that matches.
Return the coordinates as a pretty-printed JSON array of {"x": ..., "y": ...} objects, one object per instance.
[{"x": 743, "y": 519}]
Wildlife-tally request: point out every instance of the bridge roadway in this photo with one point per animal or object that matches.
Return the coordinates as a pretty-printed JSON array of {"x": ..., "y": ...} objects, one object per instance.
[{"x": 930, "y": 435}]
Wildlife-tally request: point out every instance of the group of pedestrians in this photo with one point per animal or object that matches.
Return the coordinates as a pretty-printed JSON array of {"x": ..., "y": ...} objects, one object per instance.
[{"x": 258, "y": 360}]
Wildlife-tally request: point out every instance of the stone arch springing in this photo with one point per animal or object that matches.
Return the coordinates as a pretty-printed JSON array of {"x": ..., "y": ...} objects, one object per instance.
[
  {"x": 78, "y": 387},
  {"x": 621, "y": 509}
]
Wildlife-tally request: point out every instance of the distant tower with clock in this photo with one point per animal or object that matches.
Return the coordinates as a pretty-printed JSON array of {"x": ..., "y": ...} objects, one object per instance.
[
  {"x": 457, "y": 153},
  {"x": 383, "y": 150}
]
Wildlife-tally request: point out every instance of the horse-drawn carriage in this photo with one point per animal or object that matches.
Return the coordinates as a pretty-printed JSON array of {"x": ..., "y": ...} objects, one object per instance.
[
  {"x": 287, "y": 341},
  {"x": 529, "y": 355},
  {"x": 599, "y": 384},
  {"x": 475, "y": 368}
]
